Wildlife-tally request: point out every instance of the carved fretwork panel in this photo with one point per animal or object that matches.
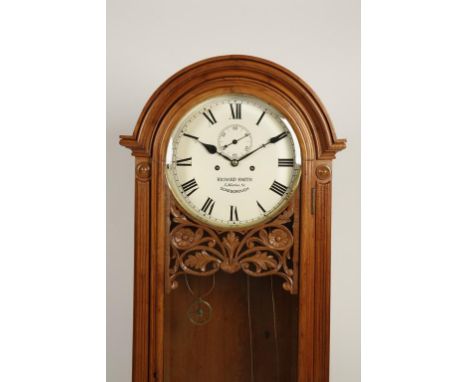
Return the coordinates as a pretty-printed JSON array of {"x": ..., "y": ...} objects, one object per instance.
[{"x": 196, "y": 249}]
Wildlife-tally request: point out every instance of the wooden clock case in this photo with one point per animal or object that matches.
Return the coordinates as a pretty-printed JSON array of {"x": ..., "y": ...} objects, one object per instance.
[{"x": 157, "y": 218}]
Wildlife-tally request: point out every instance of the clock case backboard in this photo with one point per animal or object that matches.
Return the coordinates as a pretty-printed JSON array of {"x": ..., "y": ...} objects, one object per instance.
[{"x": 300, "y": 105}]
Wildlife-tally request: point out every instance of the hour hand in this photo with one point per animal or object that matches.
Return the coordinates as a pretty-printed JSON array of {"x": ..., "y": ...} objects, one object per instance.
[{"x": 210, "y": 148}]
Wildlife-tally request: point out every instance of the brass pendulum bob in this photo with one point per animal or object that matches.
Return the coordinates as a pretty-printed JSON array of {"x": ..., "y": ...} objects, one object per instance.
[{"x": 200, "y": 311}]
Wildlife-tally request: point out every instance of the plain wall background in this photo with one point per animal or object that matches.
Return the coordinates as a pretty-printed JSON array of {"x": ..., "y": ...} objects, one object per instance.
[{"x": 319, "y": 40}]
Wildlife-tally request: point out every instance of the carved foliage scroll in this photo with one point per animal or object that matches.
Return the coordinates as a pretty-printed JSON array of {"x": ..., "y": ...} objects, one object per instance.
[{"x": 198, "y": 250}]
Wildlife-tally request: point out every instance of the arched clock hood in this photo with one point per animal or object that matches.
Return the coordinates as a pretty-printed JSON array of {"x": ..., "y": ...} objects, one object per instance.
[{"x": 299, "y": 99}]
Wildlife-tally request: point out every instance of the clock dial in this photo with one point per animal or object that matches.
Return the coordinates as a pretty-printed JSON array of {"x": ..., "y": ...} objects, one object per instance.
[{"x": 233, "y": 161}]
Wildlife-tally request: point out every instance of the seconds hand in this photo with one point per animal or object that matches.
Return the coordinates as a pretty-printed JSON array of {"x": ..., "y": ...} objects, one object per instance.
[{"x": 234, "y": 141}]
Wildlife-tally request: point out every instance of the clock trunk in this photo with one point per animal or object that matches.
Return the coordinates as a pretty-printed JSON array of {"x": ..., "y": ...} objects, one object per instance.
[{"x": 252, "y": 333}]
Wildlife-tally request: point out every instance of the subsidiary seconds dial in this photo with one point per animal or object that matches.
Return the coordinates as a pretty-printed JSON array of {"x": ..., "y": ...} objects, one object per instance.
[{"x": 233, "y": 161}]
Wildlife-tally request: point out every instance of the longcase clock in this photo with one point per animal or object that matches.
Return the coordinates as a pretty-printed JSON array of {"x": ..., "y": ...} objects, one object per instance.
[{"x": 233, "y": 168}]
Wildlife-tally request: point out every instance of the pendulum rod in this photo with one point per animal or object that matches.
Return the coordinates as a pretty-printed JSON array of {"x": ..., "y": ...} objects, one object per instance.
[
  {"x": 275, "y": 328},
  {"x": 249, "y": 313},
  {"x": 189, "y": 288},
  {"x": 200, "y": 311}
]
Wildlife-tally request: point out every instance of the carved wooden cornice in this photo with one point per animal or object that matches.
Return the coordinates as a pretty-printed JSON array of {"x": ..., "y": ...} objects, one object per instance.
[{"x": 232, "y": 71}]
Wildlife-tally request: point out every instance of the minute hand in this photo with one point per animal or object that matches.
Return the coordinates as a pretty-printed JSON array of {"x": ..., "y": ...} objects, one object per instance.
[{"x": 274, "y": 139}]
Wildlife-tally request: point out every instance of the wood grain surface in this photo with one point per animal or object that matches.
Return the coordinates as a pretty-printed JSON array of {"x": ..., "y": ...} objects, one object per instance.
[{"x": 165, "y": 347}]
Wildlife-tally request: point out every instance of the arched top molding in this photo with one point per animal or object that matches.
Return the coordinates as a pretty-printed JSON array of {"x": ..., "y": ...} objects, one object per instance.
[{"x": 295, "y": 98}]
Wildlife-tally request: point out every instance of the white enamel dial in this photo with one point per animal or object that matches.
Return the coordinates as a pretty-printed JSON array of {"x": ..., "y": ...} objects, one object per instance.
[{"x": 233, "y": 161}]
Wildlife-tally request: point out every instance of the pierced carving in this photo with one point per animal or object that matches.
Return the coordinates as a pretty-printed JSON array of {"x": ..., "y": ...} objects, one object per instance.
[
  {"x": 196, "y": 249},
  {"x": 143, "y": 171}
]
